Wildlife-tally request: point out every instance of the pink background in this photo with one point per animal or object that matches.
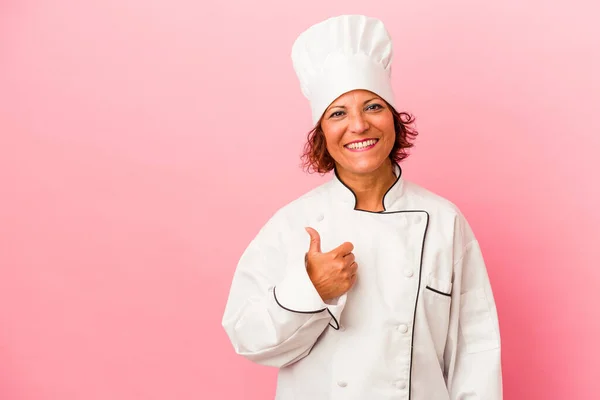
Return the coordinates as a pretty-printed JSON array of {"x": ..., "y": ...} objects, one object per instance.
[{"x": 144, "y": 143}]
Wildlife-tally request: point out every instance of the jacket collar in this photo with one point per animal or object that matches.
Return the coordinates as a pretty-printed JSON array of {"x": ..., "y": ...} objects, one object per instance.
[{"x": 341, "y": 192}]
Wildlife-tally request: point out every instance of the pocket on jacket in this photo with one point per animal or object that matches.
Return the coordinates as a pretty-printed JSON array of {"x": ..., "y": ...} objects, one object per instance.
[
  {"x": 439, "y": 287},
  {"x": 437, "y": 299},
  {"x": 476, "y": 324}
]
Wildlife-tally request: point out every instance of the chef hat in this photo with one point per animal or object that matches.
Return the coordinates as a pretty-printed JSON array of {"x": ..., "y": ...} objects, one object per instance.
[{"x": 341, "y": 54}]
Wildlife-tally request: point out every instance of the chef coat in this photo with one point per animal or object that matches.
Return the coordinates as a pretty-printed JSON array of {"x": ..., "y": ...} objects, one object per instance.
[{"x": 420, "y": 323}]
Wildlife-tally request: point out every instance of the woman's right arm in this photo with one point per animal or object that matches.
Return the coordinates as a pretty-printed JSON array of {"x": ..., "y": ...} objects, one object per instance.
[{"x": 274, "y": 314}]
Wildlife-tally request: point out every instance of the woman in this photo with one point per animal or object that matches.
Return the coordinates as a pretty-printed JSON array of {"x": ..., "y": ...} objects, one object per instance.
[{"x": 369, "y": 286}]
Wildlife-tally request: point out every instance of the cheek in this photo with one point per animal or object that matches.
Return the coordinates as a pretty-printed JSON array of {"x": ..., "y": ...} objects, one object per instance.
[
  {"x": 391, "y": 134},
  {"x": 387, "y": 127},
  {"x": 333, "y": 137}
]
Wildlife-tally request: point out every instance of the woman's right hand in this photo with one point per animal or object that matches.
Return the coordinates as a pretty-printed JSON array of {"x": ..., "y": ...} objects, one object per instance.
[{"x": 332, "y": 273}]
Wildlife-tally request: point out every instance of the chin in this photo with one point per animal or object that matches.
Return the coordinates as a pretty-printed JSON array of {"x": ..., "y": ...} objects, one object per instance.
[{"x": 364, "y": 166}]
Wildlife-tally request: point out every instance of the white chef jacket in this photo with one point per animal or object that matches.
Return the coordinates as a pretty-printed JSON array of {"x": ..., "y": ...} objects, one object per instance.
[{"x": 420, "y": 323}]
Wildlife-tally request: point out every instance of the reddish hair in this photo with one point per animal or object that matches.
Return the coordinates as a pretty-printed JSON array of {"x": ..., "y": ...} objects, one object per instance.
[{"x": 316, "y": 158}]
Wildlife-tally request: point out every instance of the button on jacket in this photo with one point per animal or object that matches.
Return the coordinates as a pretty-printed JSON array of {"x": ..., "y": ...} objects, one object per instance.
[{"x": 420, "y": 323}]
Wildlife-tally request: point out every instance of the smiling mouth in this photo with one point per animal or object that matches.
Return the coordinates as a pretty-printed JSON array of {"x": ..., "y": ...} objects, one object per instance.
[{"x": 362, "y": 145}]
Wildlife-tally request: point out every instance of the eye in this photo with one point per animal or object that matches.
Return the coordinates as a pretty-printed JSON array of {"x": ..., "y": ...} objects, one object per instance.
[
  {"x": 336, "y": 114},
  {"x": 374, "y": 106}
]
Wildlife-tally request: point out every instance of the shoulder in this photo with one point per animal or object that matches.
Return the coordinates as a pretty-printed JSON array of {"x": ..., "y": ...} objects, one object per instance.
[
  {"x": 303, "y": 205},
  {"x": 429, "y": 199},
  {"x": 298, "y": 212},
  {"x": 440, "y": 208}
]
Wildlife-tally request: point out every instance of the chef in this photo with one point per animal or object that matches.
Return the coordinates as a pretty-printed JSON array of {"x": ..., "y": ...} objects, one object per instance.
[{"x": 369, "y": 286}]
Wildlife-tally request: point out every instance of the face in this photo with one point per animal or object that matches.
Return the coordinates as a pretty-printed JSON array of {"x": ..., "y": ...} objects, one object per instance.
[{"x": 359, "y": 132}]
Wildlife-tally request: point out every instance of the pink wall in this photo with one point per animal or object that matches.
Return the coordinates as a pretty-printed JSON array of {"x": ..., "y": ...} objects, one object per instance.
[{"x": 143, "y": 143}]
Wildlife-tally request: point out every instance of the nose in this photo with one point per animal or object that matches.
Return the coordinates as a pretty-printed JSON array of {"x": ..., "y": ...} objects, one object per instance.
[{"x": 358, "y": 123}]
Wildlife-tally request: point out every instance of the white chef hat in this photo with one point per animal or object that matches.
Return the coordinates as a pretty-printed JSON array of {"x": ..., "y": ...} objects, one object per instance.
[{"x": 341, "y": 54}]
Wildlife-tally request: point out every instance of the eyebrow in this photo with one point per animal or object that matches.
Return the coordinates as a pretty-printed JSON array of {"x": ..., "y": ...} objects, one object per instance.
[{"x": 343, "y": 106}]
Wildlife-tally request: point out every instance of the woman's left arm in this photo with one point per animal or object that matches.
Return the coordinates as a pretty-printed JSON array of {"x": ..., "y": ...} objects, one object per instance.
[{"x": 472, "y": 357}]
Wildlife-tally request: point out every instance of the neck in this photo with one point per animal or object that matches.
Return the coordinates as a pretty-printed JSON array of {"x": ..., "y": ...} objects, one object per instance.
[{"x": 369, "y": 188}]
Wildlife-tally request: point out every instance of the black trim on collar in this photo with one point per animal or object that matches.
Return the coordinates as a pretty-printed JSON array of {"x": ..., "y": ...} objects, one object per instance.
[
  {"x": 308, "y": 312},
  {"x": 394, "y": 165}
]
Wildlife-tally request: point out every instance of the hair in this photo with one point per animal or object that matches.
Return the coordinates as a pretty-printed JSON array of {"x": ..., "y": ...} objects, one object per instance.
[{"x": 316, "y": 158}]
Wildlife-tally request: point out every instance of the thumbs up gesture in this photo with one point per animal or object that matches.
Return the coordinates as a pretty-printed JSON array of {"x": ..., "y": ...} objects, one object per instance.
[{"x": 332, "y": 273}]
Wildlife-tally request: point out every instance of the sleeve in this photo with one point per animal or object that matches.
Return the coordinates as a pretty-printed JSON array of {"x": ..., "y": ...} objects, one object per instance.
[
  {"x": 472, "y": 357},
  {"x": 274, "y": 315}
]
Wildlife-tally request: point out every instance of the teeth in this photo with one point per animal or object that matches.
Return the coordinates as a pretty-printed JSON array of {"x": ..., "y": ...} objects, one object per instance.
[{"x": 363, "y": 144}]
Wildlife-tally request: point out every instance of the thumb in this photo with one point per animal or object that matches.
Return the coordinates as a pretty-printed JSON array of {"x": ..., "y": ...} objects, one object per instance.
[{"x": 315, "y": 240}]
